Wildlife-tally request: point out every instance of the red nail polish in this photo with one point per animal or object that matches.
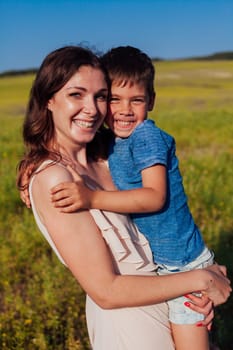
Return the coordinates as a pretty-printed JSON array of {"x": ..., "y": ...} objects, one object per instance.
[
  {"x": 199, "y": 324},
  {"x": 186, "y": 303}
]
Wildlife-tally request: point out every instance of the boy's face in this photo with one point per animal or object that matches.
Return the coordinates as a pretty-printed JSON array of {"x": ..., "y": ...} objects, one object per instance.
[{"x": 128, "y": 107}]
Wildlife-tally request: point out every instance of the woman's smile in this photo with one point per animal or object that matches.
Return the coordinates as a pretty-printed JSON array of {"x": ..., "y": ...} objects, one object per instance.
[
  {"x": 85, "y": 124},
  {"x": 80, "y": 107}
]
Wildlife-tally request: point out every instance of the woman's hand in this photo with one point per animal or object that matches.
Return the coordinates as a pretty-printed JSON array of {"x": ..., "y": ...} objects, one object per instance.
[
  {"x": 203, "y": 305},
  {"x": 219, "y": 286}
]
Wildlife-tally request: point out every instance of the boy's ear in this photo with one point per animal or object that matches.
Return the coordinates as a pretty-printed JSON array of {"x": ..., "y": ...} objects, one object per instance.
[{"x": 152, "y": 102}]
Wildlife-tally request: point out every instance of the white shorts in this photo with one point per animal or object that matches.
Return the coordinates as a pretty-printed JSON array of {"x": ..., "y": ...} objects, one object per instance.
[{"x": 178, "y": 312}]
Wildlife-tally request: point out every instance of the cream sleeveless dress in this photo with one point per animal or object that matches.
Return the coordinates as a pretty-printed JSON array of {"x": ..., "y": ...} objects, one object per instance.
[{"x": 133, "y": 328}]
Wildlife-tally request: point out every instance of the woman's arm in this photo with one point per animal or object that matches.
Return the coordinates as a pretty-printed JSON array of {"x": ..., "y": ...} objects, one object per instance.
[
  {"x": 79, "y": 242},
  {"x": 151, "y": 197}
]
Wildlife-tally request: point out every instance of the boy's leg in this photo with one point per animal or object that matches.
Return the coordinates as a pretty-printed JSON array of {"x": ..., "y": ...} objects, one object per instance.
[
  {"x": 190, "y": 337},
  {"x": 187, "y": 336}
]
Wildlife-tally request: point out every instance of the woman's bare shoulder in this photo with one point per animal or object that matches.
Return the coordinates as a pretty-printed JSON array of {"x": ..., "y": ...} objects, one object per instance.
[
  {"x": 52, "y": 174},
  {"x": 45, "y": 178}
]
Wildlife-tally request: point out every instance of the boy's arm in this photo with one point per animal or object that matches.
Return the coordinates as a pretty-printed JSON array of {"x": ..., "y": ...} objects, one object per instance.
[{"x": 151, "y": 197}]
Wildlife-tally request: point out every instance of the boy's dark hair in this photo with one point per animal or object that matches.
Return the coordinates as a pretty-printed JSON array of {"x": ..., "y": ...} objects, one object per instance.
[{"x": 129, "y": 64}]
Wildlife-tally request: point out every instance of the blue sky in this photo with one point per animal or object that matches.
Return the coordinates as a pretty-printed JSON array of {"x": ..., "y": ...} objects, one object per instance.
[{"x": 162, "y": 28}]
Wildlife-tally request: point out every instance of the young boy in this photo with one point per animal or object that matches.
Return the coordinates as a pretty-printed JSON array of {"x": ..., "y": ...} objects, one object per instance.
[{"x": 144, "y": 167}]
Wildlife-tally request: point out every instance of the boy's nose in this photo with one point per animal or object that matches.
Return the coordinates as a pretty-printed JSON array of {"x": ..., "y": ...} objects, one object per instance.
[{"x": 126, "y": 109}]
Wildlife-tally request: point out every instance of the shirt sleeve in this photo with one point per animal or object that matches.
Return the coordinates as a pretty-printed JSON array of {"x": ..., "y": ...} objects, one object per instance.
[{"x": 149, "y": 146}]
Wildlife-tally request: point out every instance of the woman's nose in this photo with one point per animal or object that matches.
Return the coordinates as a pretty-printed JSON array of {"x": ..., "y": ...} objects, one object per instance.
[{"x": 89, "y": 106}]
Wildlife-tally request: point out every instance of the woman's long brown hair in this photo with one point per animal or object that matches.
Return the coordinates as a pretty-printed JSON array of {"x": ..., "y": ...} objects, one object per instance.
[{"x": 38, "y": 128}]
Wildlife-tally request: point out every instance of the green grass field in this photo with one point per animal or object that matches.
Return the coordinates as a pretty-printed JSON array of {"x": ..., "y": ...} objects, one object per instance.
[{"x": 41, "y": 305}]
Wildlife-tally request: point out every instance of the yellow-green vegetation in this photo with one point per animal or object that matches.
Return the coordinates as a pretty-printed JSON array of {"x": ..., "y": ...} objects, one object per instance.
[
  {"x": 194, "y": 86},
  {"x": 41, "y": 305}
]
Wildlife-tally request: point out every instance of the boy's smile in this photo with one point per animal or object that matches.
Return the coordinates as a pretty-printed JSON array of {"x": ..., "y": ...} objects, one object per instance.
[{"x": 128, "y": 107}]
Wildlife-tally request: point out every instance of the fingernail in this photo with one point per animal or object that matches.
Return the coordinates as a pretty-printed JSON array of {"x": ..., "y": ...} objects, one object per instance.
[
  {"x": 186, "y": 303},
  {"x": 186, "y": 296},
  {"x": 199, "y": 324}
]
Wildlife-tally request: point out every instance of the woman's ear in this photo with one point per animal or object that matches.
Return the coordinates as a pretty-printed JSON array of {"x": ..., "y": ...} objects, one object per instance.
[
  {"x": 152, "y": 102},
  {"x": 50, "y": 105}
]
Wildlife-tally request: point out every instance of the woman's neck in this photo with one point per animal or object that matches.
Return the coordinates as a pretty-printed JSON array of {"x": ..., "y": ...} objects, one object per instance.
[
  {"x": 96, "y": 171},
  {"x": 74, "y": 157}
]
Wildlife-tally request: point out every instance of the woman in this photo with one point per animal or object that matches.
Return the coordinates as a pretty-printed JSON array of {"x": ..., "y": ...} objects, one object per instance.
[{"x": 67, "y": 106}]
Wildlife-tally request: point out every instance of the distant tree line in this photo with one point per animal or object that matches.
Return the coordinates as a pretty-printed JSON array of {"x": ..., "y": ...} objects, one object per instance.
[
  {"x": 227, "y": 55},
  {"x": 19, "y": 72}
]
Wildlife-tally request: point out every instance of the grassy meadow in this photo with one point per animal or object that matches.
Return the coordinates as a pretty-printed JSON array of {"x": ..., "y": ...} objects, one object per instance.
[{"x": 41, "y": 305}]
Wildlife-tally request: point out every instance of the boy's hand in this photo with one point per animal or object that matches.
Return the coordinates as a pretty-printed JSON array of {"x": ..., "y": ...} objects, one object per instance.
[
  {"x": 24, "y": 194},
  {"x": 71, "y": 196}
]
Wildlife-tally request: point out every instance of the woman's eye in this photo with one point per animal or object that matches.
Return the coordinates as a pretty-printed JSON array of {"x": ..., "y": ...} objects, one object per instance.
[
  {"x": 75, "y": 94},
  {"x": 102, "y": 97}
]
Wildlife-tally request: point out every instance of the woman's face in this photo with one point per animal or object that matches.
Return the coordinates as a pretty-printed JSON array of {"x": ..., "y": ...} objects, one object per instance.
[{"x": 79, "y": 108}]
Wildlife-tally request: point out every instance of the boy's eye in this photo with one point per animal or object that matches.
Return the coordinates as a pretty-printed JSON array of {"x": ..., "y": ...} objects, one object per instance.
[
  {"x": 113, "y": 99},
  {"x": 138, "y": 100}
]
